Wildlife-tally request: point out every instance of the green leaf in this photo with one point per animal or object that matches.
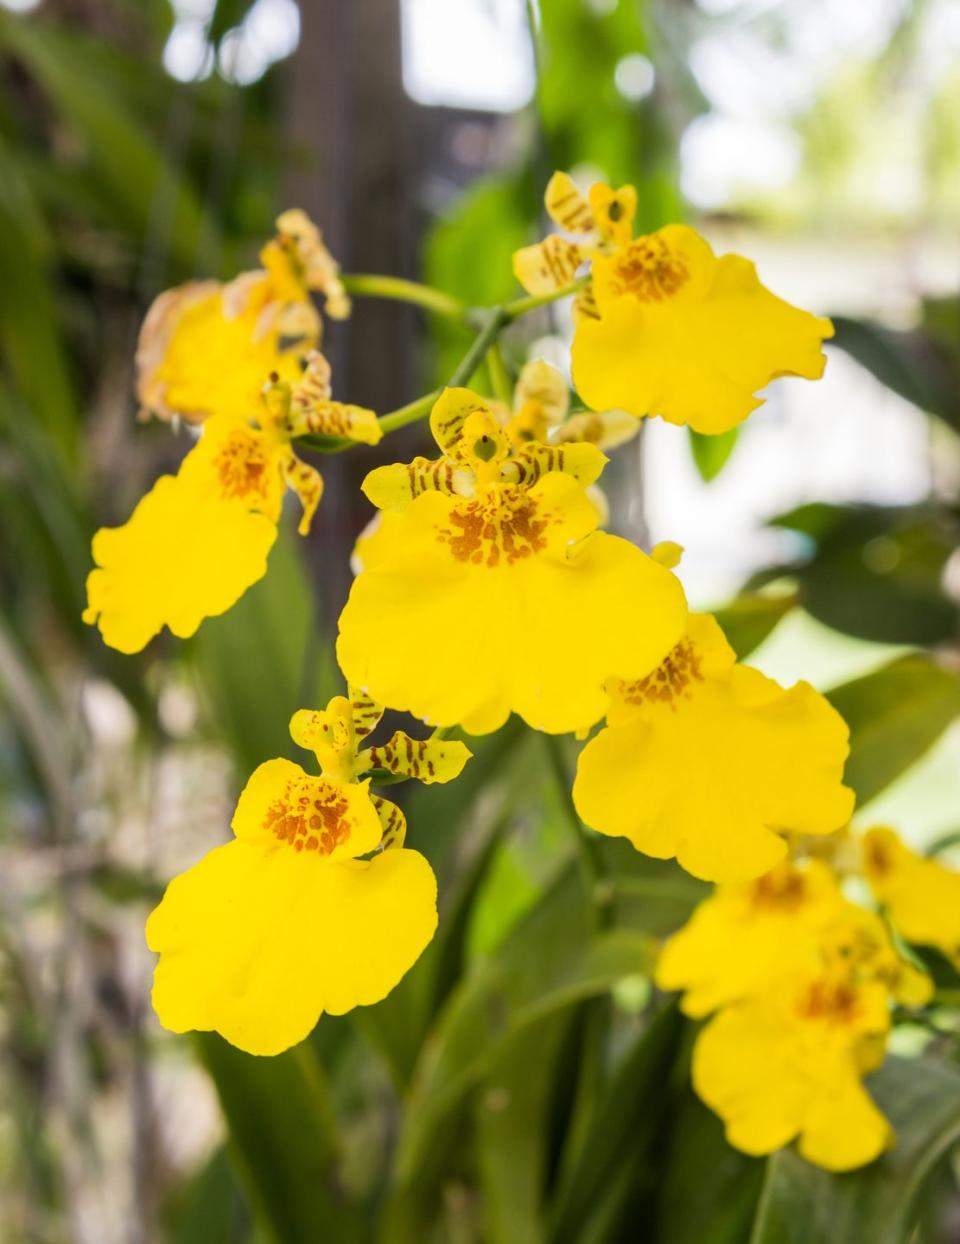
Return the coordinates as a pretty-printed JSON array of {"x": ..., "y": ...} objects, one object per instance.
[
  {"x": 513, "y": 1121},
  {"x": 711, "y": 453},
  {"x": 283, "y": 1140},
  {"x": 802, "y": 1204},
  {"x": 909, "y": 363},
  {"x": 260, "y": 659},
  {"x": 616, "y": 1156},
  {"x": 895, "y": 715},
  {"x": 876, "y": 572},
  {"x": 748, "y": 620},
  {"x": 83, "y": 78},
  {"x": 548, "y": 962}
]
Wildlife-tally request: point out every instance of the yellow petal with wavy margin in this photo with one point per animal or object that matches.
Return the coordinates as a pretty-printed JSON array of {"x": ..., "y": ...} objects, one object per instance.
[
  {"x": 256, "y": 941},
  {"x": 695, "y": 355},
  {"x": 433, "y": 628},
  {"x": 714, "y": 777},
  {"x": 181, "y": 557}
]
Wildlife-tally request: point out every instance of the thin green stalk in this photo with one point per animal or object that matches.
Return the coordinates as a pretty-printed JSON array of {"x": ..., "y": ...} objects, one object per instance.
[
  {"x": 408, "y": 414},
  {"x": 520, "y": 306},
  {"x": 500, "y": 380},
  {"x": 588, "y": 856},
  {"x": 495, "y": 320},
  {"x": 397, "y": 289},
  {"x": 422, "y": 405}
]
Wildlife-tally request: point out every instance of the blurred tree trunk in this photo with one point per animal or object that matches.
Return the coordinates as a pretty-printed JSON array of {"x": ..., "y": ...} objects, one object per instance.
[{"x": 348, "y": 122}]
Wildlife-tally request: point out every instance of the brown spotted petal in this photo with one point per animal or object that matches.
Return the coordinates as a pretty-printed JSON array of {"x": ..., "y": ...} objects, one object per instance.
[
  {"x": 427, "y": 760},
  {"x": 365, "y": 711},
  {"x": 581, "y": 461},
  {"x": 393, "y": 821},
  {"x": 393, "y": 487}
]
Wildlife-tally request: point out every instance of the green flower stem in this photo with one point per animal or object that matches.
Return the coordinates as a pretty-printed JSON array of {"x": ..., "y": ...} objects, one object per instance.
[
  {"x": 409, "y": 413},
  {"x": 500, "y": 379},
  {"x": 400, "y": 290},
  {"x": 494, "y": 322},
  {"x": 592, "y": 872},
  {"x": 521, "y": 306}
]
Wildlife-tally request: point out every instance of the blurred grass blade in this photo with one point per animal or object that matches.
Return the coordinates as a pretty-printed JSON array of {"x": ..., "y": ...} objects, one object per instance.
[
  {"x": 82, "y": 78},
  {"x": 748, "y": 620},
  {"x": 617, "y": 1154},
  {"x": 513, "y": 1119},
  {"x": 895, "y": 715},
  {"x": 283, "y": 1140},
  {"x": 802, "y": 1204},
  {"x": 711, "y": 453},
  {"x": 547, "y": 962},
  {"x": 261, "y": 657}
]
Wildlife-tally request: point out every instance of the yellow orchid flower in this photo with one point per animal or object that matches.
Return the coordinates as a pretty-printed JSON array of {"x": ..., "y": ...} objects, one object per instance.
[
  {"x": 205, "y": 347},
  {"x": 786, "y": 1059},
  {"x": 287, "y": 921},
  {"x": 486, "y": 587},
  {"x": 711, "y": 762},
  {"x": 665, "y": 327},
  {"x": 198, "y": 540},
  {"x": 921, "y": 895}
]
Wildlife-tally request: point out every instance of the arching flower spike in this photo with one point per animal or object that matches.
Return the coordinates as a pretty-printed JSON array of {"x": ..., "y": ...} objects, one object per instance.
[
  {"x": 199, "y": 539},
  {"x": 711, "y": 762},
  {"x": 205, "y": 347},
  {"x": 287, "y": 921},
  {"x": 666, "y": 327},
  {"x": 486, "y": 587}
]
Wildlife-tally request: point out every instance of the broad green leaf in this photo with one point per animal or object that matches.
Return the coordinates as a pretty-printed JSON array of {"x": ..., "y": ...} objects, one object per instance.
[
  {"x": 909, "y": 363},
  {"x": 895, "y": 715},
  {"x": 711, "y": 453},
  {"x": 209, "y": 1207},
  {"x": 876, "y": 572},
  {"x": 283, "y": 1140},
  {"x": 748, "y": 620},
  {"x": 802, "y": 1204}
]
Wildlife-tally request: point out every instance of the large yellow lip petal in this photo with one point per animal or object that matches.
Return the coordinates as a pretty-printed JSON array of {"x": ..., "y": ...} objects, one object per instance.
[
  {"x": 181, "y": 557},
  {"x": 694, "y": 359},
  {"x": 255, "y": 941},
  {"x": 712, "y": 778},
  {"x": 773, "y": 1076},
  {"x": 452, "y": 641}
]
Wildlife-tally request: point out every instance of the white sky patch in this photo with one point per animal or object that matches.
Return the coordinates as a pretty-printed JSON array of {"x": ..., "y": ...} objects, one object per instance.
[
  {"x": 721, "y": 156},
  {"x": 467, "y": 54}
]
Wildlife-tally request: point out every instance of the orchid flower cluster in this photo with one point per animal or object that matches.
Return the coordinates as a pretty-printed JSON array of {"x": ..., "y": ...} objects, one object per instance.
[{"x": 317, "y": 905}]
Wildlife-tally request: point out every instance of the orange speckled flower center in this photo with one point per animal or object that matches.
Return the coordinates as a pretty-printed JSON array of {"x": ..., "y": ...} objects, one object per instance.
[
  {"x": 242, "y": 465},
  {"x": 669, "y": 681},
  {"x": 833, "y": 1001},
  {"x": 309, "y": 816},
  {"x": 779, "y": 891},
  {"x": 649, "y": 270},
  {"x": 503, "y": 526}
]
